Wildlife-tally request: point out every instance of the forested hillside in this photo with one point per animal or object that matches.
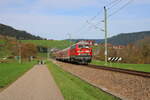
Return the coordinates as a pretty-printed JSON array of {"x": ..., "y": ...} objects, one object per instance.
[
  {"x": 18, "y": 34},
  {"x": 123, "y": 38},
  {"x": 128, "y": 38}
]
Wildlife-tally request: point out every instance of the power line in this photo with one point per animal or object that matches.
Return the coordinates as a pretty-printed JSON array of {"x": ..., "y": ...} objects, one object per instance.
[
  {"x": 122, "y": 7},
  {"x": 90, "y": 20},
  {"x": 93, "y": 25},
  {"x": 114, "y": 4},
  {"x": 94, "y": 17},
  {"x": 109, "y": 7},
  {"x": 81, "y": 28}
]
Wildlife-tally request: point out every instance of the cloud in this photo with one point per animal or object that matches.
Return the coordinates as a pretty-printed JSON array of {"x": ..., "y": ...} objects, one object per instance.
[
  {"x": 141, "y": 1},
  {"x": 29, "y": 15},
  {"x": 46, "y": 26},
  {"x": 12, "y": 2},
  {"x": 51, "y": 4},
  {"x": 128, "y": 25},
  {"x": 63, "y": 4},
  {"x": 57, "y": 27}
]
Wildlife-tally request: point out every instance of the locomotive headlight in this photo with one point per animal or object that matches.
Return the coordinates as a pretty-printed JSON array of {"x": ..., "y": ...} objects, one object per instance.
[
  {"x": 79, "y": 51},
  {"x": 87, "y": 51}
]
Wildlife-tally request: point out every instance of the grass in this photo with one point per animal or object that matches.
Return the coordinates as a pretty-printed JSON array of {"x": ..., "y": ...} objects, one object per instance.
[
  {"x": 73, "y": 88},
  {"x": 138, "y": 67},
  {"x": 60, "y": 44},
  {"x": 2, "y": 42},
  {"x": 9, "y": 72},
  {"x": 42, "y": 55}
]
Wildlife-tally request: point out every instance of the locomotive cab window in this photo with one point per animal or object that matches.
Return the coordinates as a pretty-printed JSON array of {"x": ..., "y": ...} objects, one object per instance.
[{"x": 83, "y": 46}]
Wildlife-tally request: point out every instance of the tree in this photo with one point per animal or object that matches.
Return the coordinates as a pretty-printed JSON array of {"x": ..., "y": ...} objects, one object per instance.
[
  {"x": 27, "y": 50},
  {"x": 144, "y": 48}
]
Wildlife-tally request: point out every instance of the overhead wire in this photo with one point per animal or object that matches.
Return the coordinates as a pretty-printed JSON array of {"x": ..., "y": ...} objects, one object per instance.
[
  {"x": 93, "y": 18},
  {"x": 122, "y": 7},
  {"x": 85, "y": 24},
  {"x": 93, "y": 25},
  {"x": 109, "y": 6},
  {"x": 114, "y": 4}
]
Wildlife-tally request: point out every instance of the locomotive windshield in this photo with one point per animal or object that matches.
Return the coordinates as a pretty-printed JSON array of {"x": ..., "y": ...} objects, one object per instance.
[{"x": 83, "y": 46}]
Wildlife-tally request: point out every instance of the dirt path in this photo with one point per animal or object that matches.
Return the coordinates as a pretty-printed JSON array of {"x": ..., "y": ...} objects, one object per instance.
[{"x": 36, "y": 84}]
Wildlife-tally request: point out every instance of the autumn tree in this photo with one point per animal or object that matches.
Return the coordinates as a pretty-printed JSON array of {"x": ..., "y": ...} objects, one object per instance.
[
  {"x": 27, "y": 50},
  {"x": 137, "y": 53},
  {"x": 144, "y": 48}
]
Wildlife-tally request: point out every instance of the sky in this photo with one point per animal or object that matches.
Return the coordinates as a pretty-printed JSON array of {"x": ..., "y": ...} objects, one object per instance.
[{"x": 56, "y": 19}]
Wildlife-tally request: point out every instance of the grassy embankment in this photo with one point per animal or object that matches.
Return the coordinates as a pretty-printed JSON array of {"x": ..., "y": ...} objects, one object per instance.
[
  {"x": 73, "y": 88},
  {"x": 138, "y": 67},
  {"x": 60, "y": 44},
  {"x": 10, "y": 71}
]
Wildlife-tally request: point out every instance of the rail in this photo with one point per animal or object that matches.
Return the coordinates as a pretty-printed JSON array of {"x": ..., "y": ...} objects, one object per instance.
[{"x": 127, "y": 71}]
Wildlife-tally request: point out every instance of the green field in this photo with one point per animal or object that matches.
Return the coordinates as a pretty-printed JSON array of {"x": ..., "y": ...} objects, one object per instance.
[
  {"x": 42, "y": 55},
  {"x": 61, "y": 44},
  {"x": 73, "y": 88},
  {"x": 2, "y": 42},
  {"x": 9, "y": 72},
  {"x": 138, "y": 67}
]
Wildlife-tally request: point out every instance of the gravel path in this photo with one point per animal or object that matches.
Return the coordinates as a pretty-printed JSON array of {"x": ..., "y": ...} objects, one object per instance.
[
  {"x": 128, "y": 87},
  {"x": 36, "y": 84}
]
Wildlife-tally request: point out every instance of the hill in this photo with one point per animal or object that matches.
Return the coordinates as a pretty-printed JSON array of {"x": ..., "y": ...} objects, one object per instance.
[
  {"x": 123, "y": 38},
  {"x": 18, "y": 34},
  {"x": 127, "y": 38}
]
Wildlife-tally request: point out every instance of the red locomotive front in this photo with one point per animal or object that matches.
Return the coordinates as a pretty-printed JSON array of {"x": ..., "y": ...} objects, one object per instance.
[{"x": 81, "y": 53}]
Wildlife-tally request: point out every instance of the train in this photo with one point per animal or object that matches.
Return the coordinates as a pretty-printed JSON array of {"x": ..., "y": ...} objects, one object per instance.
[{"x": 80, "y": 53}]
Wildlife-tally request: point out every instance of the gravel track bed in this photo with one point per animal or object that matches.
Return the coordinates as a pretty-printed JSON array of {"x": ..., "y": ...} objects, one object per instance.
[{"x": 126, "y": 86}]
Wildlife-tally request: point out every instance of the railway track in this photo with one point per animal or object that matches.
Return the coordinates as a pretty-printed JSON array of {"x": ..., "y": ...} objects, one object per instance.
[
  {"x": 122, "y": 85},
  {"x": 127, "y": 71}
]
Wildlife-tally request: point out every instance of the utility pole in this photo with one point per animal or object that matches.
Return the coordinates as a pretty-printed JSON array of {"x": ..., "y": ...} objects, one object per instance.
[
  {"x": 48, "y": 53},
  {"x": 19, "y": 51},
  {"x": 69, "y": 38},
  {"x": 105, "y": 21}
]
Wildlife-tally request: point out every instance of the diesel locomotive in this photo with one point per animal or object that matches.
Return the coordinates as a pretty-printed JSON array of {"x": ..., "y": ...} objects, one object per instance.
[{"x": 80, "y": 52}]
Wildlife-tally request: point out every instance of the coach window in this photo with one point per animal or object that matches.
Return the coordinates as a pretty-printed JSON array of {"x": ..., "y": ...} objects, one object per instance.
[{"x": 73, "y": 47}]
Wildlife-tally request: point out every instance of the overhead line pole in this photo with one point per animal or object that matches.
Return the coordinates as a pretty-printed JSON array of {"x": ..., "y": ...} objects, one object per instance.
[
  {"x": 69, "y": 39},
  {"x": 48, "y": 53},
  {"x": 70, "y": 44},
  {"x": 105, "y": 21},
  {"x": 20, "y": 59}
]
